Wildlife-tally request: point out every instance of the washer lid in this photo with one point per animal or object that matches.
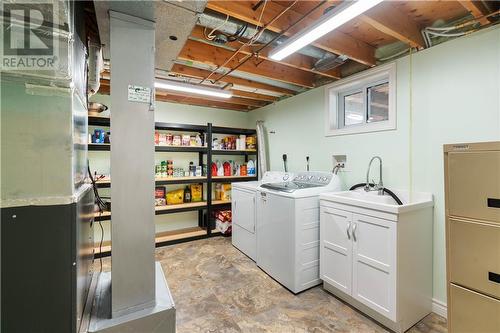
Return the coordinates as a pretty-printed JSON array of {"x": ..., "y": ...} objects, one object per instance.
[{"x": 289, "y": 187}]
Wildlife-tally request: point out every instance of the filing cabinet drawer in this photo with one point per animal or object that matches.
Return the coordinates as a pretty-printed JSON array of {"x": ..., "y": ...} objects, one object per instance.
[
  {"x": 474, "y": 255},
  {"x": 471, "y": 312},
  {"x": 474, "y": 185}
]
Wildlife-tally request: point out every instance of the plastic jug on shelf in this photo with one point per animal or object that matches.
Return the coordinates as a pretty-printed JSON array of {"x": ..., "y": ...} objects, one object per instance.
[
  {"x": 220, "y": 170},
  {"x": 214, "y": 169},
  {"x": 251, "y": 168},
  {"x": 227, "y": 169}
]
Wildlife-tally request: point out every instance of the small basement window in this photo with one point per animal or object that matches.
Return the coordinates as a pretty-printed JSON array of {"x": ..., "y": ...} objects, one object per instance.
[{"x": 365, "y": 102}]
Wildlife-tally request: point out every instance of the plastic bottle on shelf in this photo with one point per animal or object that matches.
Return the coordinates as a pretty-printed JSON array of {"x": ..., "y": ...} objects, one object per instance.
[
  {"x": 227, "y": 168},
  {"x": 214, "y": 169},
  {"x": 220, "y": 169},
  {"x": 243, "y": 142},
  {"x": 251, "y": 168},
  {"x": 192, "y": 169}
]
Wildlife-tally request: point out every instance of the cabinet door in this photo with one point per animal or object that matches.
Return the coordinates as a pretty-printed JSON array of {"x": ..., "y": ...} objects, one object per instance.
[
  {"x": 336, "y": 248},
  {"x": 374, "y": 263},
  {"x": 243, "y": 207}
]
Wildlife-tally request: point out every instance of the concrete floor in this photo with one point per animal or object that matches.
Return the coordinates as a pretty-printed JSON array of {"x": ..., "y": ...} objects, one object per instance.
[{"x": 218, "y": 289}]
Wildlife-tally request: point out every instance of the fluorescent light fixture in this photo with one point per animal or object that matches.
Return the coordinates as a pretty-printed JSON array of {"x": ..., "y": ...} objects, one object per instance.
[
  {"x": 330, "y": 21},
  {"x": 192, "y": 89}
]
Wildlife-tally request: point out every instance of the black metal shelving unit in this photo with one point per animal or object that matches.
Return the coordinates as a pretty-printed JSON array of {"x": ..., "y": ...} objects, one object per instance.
[
  {"x": 205, "y": 221},
  {"x": 99, "y": 147}
]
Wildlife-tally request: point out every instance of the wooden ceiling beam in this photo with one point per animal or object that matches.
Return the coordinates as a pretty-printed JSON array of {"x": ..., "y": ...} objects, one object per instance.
[
  {"x": 390, "y": 21},
  {"x": 232, "y": 100},
  {"x": 384, "y": 17},
  {"x": 200, "y": 52},
  {"x": 252, "y": 95},
  {"x": 296, "y": 60},
  {"x": 202, "y": 102},
  {"x": 476, "y": 9},
  {"x": 336, "y": 41},
  {"x": 202, "y": 73}
]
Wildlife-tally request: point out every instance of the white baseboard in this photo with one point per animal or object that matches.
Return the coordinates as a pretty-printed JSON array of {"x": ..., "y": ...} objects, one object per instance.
[{"x": 439, "y": 308}]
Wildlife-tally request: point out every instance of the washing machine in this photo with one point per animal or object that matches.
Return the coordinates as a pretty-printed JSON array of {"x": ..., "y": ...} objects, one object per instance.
[
  {"x": 287, "y": 215},
  {"x": 243, "y": 197}
]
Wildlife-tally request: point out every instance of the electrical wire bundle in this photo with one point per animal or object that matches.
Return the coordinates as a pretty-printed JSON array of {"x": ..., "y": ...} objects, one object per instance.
[
  {"x": 240, "y": 32},
  {"x": 457, "y": 30},
  {"x": 251, "y": 41},
  {"x": 101, "y": 205}
]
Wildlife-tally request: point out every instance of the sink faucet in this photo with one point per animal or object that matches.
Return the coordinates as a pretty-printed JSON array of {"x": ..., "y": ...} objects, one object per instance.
[{"x": 378, "y": 187}]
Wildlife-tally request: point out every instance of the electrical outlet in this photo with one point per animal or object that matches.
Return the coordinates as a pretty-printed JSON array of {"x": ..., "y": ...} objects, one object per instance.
[{"x": 340, "y": 161}]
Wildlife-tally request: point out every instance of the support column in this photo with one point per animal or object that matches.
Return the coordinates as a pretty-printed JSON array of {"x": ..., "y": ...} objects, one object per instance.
[{"x": 132, "y": 43}]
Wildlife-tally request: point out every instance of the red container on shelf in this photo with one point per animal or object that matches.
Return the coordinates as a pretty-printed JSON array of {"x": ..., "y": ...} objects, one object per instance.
[
  {"x": 214, "y": 169},
  {"x": 227, "y": 169}
]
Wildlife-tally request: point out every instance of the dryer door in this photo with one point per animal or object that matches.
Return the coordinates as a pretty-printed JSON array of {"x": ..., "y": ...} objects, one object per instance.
[{"x": 243, "y": 206}]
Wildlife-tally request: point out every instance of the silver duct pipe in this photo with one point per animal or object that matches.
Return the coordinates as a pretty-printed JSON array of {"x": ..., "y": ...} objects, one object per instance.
[{"x": 213, "y": 21}]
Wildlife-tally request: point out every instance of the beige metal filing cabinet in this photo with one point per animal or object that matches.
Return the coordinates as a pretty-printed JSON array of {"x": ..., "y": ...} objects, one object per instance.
[{"x": 472, "y": 180}]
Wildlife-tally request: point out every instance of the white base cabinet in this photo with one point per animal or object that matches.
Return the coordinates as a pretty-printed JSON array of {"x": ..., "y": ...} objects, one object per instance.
[{"x": 379, "y": 262}]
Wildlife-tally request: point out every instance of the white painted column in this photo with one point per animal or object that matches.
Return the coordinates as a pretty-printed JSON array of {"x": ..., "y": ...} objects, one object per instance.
[{"x": 132, "y": 43}]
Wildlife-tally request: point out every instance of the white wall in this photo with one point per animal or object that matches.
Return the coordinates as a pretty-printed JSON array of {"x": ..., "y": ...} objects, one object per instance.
[
  {"x": 452, "y": 92},
  {"x": 171, "y": 113}
]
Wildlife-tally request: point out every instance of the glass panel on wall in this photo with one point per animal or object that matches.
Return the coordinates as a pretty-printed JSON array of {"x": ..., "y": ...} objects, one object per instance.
[
  {"x": 353, "y": 109},
  {"x": 378, "y": 103}
]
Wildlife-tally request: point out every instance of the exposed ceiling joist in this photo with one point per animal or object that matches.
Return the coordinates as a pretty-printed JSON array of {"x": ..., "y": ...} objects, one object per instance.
[
  {"x": 202, "y": 102},
  {"x": 232, "y": 100},
  {"x": 389, "y": 20},
  {"x": 252, "y": 95},
  {"x": 384, "y": 17},
  {"x": 336, "y": 41},
  {"x": 476, "y": 9},
  {"x": 297, "y": 60},
  {"x": 200, "y": 52},
  {"x": 201, "y": 73}
]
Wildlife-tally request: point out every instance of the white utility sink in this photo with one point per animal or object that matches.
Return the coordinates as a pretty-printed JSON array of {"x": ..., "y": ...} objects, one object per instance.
[
  {"x": 385, "y": 203},
  {"x": 377, "y": 255}
]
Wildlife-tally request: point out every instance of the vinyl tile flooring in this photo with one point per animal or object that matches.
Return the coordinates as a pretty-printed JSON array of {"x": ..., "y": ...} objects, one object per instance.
[{"x": 216, "y": 288}]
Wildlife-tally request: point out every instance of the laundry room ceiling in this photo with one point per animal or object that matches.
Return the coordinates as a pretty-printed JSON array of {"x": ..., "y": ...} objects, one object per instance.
[{"x": 230, "y": 42}]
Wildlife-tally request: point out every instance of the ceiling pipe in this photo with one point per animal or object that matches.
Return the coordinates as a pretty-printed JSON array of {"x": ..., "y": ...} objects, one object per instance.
[{"x": 213, "y": 21}]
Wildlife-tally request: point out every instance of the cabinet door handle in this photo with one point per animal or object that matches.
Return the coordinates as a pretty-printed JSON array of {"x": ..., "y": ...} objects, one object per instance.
[
  {"x": 354, "y": 227},
  {"x": 494, "y": 277},
  {"x": 347, "y": 231},
  {"x": 493, "y": 203}
]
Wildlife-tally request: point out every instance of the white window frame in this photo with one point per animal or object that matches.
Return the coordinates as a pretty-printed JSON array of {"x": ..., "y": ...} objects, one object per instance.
[{"x": 335, "y": 92}]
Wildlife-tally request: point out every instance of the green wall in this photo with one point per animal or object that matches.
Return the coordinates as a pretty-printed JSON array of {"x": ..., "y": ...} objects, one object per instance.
[{"x": 451, "y": 92}]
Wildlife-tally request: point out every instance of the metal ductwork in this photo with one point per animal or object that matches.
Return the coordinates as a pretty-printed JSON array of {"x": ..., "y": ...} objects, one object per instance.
[
  {"x": 329, "y": 62},
  {"x": 174, "y": 22},
  {"x": 232, "y": 26}
]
